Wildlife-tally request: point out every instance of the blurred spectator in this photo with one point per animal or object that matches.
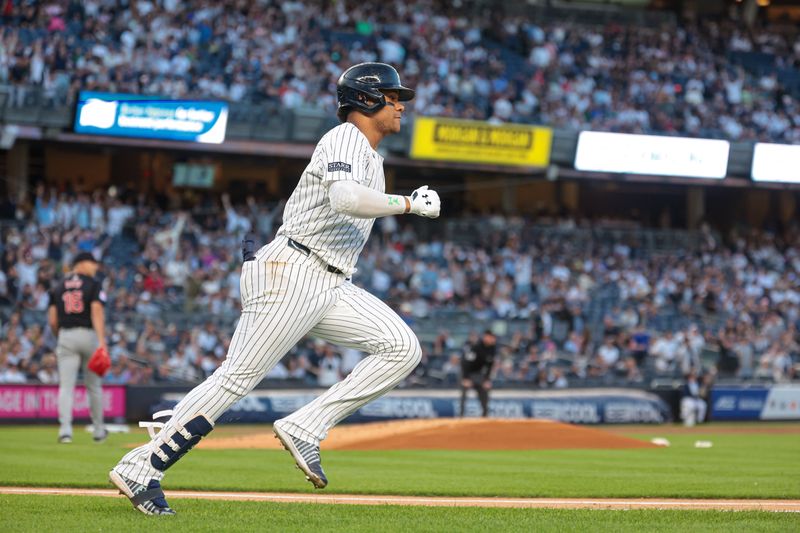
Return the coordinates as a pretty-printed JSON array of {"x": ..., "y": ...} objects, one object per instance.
[
  {"x": 330, "y": 368},
  {"x": 665, "y": 350},
  {"x": 10, "y": 371},
  {"x": 451, "y": 369},
  {"x": 607, "y": 357},
  {"x": 48, "y": 373}
]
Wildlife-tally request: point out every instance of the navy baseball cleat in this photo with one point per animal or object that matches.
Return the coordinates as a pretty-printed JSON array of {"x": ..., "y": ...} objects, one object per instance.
[
  {"x": 306, "y": 456},
  {"x": 148, "y": 499}
]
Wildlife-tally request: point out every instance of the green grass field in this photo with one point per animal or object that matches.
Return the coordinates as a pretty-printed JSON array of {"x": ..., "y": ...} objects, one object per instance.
[
  {"x": 754, "y": 465},
  {"x": 72, "y": 513}
]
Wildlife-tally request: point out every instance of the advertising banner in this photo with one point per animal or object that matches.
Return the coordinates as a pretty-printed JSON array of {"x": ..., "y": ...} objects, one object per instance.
[
  {"x": 778, "y": 402},
  {"x": 469, "y": 141},
  {"x": 41, "y": 402},
  {"x": 652, "y": 155},
  {"x": 128, "y": 115},
  {"x": 776, "y": 163},
  {"x": 594, "y": 406}
]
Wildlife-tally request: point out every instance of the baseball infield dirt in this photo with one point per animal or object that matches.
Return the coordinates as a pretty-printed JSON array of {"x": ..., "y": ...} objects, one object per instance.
[
  {"x": 439, "y": 501},
  {"x": 448, "y": 434}
]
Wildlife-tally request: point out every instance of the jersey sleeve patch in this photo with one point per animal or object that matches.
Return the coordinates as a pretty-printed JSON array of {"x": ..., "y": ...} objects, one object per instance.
[{"x": 339, "y": 166}]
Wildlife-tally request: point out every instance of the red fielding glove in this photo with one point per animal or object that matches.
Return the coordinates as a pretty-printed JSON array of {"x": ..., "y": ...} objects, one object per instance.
[{"x": 100, "y": 362}]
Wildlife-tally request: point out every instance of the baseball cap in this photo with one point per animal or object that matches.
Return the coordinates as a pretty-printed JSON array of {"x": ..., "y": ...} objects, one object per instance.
[{"x": 84, "y": 256}]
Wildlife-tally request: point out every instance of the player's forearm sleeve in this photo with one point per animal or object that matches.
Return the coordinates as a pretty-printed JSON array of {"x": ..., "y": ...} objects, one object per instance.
[{"x": 356, "y": 200}]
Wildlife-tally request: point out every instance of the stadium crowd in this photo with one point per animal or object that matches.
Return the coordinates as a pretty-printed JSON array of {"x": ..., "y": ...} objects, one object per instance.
[
  {"x": 579, "y": 307},
  {"x": 674, "y": 78}
]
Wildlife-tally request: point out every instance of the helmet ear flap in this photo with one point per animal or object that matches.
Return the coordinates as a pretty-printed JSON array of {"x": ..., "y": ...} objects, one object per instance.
[
  {"x": 367, "y": 100},
  {"x": 377, "y": 98},
  {"x": 342, "y": 112}
]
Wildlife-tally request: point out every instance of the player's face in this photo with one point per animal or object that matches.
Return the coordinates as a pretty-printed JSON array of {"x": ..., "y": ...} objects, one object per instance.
[
  {"x": 389, "y": 116},
  {"x": 91, "y": 268}
]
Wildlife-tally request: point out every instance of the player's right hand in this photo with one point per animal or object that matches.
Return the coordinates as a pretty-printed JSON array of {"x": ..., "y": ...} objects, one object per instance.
[{"x": 425, "y": 202}]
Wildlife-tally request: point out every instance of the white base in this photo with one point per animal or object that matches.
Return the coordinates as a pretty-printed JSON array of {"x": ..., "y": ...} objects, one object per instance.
[{"x": 111, "y": 428}]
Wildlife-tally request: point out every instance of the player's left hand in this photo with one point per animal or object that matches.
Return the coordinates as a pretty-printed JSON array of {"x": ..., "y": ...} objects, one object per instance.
[
  {"x": 487, "y": 384},
  {"x": 99, "y": 362},
  {"x": 425, "y": 202}
]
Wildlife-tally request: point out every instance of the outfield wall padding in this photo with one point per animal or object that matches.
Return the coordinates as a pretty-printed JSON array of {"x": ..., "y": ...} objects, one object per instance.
[{"x": 581, "y": 406}]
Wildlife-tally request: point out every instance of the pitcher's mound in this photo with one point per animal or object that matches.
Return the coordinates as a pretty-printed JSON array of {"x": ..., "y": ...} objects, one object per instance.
[{"x": 450, "y": 434}]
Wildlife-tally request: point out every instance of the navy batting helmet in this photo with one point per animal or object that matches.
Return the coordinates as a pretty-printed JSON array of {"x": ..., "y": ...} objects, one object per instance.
[{"x": 363, "y": 82}]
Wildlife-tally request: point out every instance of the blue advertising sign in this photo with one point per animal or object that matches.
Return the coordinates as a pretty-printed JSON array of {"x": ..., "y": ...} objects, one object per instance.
[
  {"x": 592, "y": 406},
  {"x": 150, "y": 117},
  {"x": 771, "y": 402},
  {"x": 737, "y": 403}
]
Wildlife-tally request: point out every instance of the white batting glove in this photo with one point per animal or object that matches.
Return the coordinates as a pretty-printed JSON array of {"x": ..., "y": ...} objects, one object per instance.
[{"x": 425, "y": 202}]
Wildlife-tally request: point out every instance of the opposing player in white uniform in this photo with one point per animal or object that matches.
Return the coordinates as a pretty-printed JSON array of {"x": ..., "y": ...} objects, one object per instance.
[{"x": 300, "y": 284}]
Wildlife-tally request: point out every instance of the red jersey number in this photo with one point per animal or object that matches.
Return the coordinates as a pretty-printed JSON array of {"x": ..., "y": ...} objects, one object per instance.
[{"x": 73, "y": 302}]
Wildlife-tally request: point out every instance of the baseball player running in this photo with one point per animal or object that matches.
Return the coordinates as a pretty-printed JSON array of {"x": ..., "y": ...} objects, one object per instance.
[{"x": 300, "y": 284}]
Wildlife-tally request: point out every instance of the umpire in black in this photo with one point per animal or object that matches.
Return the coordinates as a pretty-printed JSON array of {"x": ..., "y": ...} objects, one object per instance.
[
  {"x": 476, "y": 370},
  {"x": 77, "y": 316}
]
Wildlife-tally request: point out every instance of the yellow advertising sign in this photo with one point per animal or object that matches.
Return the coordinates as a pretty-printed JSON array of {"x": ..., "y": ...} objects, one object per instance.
[{"x": 470, "y": 141}]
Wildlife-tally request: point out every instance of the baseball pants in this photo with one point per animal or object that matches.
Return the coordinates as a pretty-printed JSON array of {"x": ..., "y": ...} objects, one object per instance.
[
  {"x": 73, "y": 351},
  {"x": 285, "y": 296},
  {"x": 483, "y": 394},
  {"x": 693, "y": 410}
]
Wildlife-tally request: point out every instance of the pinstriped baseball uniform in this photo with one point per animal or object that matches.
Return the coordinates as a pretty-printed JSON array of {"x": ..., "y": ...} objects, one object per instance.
[
  {"x": 337, "y": 239},
  {"x": 297, "y": 285}
]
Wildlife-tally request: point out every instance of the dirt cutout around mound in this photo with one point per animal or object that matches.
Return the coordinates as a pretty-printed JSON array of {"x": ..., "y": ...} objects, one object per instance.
[{"x": 449, "y": 434}]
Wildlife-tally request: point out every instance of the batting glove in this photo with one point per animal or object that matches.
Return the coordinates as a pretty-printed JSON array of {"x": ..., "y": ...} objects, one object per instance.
[{"x": 425, "y": 202}]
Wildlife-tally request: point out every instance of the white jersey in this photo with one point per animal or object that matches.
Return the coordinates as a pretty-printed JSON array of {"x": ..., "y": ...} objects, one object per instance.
[
  {"x": 344, "y": 153},
  {"x": 286, "y": 295}
]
